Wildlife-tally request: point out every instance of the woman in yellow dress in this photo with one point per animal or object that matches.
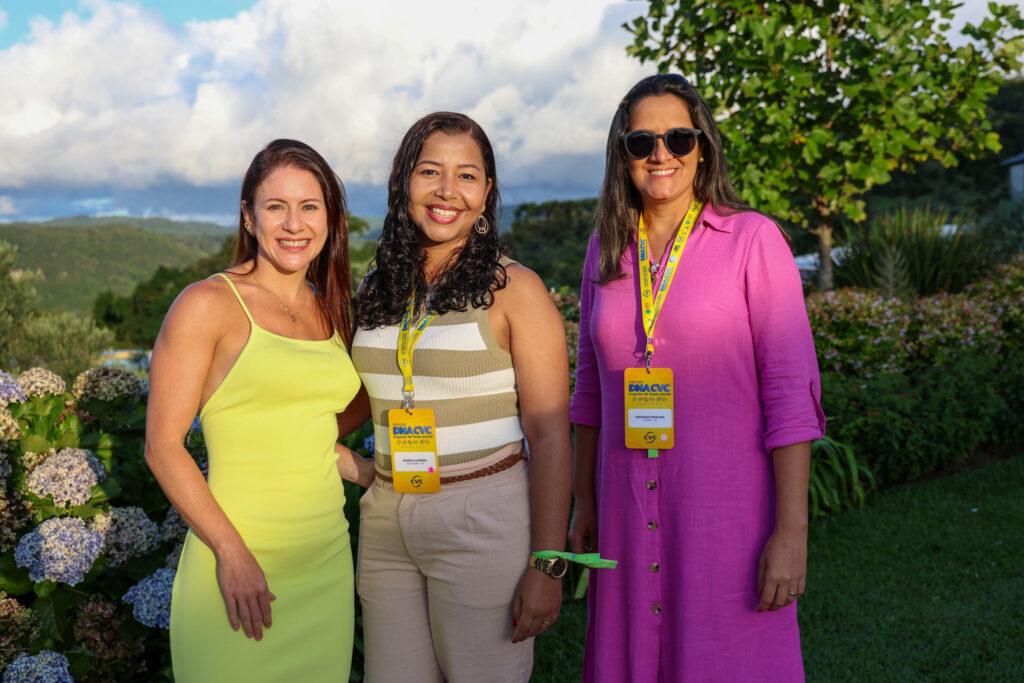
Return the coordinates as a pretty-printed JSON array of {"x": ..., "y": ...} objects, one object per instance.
[{"x": 260, "y": 352}]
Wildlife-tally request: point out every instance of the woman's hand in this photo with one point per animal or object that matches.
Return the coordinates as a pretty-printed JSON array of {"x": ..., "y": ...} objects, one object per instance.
[
  {"x": 782, "y": 569},
  {"x": 536, "y": 605},
  {"x": 244, "y": 588},
  {"x": 355, "y": 468},
  {"x": 583, "y": 527}
]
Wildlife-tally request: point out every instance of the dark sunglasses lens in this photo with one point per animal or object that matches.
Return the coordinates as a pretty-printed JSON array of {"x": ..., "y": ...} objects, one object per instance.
[
  {"x": 680, "y": 141},
  {"x": 640, "y": 144}
]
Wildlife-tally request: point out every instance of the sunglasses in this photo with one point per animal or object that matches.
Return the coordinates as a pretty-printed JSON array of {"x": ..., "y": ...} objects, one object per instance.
[{"x": 679, "y": 142}]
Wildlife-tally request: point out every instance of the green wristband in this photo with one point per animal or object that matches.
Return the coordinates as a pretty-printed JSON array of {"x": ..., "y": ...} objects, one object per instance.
[{"x": 592, "y": 560}]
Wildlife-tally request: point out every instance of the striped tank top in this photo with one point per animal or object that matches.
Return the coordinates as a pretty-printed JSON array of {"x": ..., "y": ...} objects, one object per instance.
[{"x": 459, "y": 372}]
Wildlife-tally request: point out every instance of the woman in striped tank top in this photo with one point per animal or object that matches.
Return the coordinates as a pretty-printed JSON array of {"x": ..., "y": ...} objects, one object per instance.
[{"x": 445, "y": 578}]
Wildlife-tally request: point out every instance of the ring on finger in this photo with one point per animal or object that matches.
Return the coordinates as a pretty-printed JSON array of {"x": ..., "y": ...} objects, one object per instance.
[{"x": 790, "y": 594}]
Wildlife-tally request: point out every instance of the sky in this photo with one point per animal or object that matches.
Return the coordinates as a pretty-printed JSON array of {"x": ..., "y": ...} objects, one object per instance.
[{"x": 156, "y": 107}]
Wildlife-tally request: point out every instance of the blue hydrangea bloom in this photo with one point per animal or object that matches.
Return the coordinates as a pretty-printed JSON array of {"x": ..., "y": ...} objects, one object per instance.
[
  {"x": 46, "y": 667},
  {"x": 10, "y": 390},
  {"x": 369, "y": 443},
  {"x": 60, "y": 549},
  {"x": 151, "y": 599}
]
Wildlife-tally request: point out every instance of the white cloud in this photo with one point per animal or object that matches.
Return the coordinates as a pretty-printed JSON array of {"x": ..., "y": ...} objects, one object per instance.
[
  {"x": 123, "y": 98},
  {"x": 7, "y": 207},
  {"x": 3, "y": 19}
]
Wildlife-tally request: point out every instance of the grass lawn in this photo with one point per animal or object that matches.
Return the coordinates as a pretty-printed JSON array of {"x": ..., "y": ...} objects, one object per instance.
[{"x": 925, "y": 583}]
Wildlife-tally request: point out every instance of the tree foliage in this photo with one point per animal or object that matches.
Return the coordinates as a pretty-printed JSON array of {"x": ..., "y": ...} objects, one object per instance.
[
  {"x": 64, "y": 342},
  {"x": 821, "y": 100},
  {"x": 551, "y": 239}
]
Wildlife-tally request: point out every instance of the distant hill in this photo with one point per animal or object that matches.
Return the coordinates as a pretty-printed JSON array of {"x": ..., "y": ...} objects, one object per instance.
[
  {"x": 80, "y": 260},
  {"x": 207, "y": 237}
]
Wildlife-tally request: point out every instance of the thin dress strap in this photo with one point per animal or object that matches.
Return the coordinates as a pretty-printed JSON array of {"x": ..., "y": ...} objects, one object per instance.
[{"x": 239, "y": 297}]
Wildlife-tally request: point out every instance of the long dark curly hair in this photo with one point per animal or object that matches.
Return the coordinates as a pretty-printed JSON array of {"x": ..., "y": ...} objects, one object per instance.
[
  {"x": 329, "y": 271},
  {"x": 474, "y": 273},
  {"x": 620, "y": 204}
]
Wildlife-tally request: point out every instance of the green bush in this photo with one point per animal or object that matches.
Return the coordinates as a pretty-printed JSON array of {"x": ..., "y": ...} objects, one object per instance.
[
  {"x": 64, "y": 342},
  {"x": 838, "y": 479},
  {"x": 933, "y": 257},
  {"x": 1003, "y": 227}
]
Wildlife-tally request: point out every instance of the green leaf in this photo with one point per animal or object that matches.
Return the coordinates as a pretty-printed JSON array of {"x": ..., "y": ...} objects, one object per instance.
[
  {"x": 13, "y": 578},
  {"x": 34, "y": 443},
  {"x": 45, "y": 588}
]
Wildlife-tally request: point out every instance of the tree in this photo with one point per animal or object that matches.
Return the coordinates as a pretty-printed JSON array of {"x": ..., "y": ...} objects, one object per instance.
[
  {"x": 821, "y": 100},
  {"x": 64, "y": 342},
  {"x": 551, "y": 239}
]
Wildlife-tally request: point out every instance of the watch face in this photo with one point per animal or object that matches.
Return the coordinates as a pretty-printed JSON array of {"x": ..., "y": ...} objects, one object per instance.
[{"x": 558, "y": 567}]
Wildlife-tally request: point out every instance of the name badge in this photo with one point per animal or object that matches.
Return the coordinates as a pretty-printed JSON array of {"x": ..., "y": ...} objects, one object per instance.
[
  {"x": 649, "y": 408},
  {"x": 413, "y": 450}
]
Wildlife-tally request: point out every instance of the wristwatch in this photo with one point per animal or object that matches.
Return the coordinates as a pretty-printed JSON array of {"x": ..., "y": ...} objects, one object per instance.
[{"x": 554, "y": 567}]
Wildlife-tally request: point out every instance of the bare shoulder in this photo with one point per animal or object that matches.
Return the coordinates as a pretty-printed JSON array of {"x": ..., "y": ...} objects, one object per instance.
[
  {"x": 200, "y": 308},
  {"x": 524, "y": 286}
]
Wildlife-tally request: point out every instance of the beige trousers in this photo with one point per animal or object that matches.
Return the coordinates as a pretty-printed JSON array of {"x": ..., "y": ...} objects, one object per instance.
[{"x": 436, "y": 576}]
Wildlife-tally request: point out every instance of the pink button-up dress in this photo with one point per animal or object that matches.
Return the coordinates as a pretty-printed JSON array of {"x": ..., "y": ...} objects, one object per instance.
[{"x": 688, "y": 527}]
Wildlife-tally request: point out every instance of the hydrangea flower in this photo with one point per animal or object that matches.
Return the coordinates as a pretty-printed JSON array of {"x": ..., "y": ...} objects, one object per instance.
[
  {"x": 106, "y": 384},
  {"x": 127, "y": 532},
  {"x": 68, "y": 476},
  {"x": 14, "y": 514},
  {"x": 60, "y": 549},
  {"x": 31, "y": 460},
  {"x": 151, "y": 598},
  {"x": 174, "y": 557},
  {"x": 9, "y": 430},
  {"x": 10, "y": 390},
  {"x": 174, "y": 527},
  {"x": 17, "y": 625},
  {"x": 369, "y": 443},
  {"x": 98, "y": 629},
  {"x": 46, "y": 667},
  {"x": 41, "y": 382}
]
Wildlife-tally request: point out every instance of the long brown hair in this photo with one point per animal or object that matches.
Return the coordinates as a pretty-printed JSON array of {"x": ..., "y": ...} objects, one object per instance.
[
  {"x": 620, "y": 204},
  {"x": 329, "y": 271}
]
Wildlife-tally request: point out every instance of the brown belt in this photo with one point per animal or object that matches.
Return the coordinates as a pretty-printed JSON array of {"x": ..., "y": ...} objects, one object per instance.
[{"x": 499, "y": 466}]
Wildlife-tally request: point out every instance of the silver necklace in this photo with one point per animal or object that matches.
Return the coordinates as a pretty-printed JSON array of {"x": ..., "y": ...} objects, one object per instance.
[{"x": 279, "y": 302}]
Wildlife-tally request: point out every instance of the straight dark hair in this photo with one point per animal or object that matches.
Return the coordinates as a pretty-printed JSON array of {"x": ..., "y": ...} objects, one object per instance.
[
  {"x": 620, "y": 204},
  {"x": 470, "y": 277},
  {"x": 329, "y": 271}
]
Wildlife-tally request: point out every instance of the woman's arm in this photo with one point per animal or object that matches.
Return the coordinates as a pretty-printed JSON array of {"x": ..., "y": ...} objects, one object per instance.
[
  {"x": 585, "y": 410},
  {"x": 537, "y": 345},
  {"x": 782, "y": 569},
  {"x": 788, "y": 375},
  {"x": 583, "y": 528},
  {"x": 351, "y": 466},
  {"x": 182, "y": 358}
]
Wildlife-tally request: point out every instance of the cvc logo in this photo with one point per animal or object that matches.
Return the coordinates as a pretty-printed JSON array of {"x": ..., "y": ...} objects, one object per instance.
[
  {"x": 405, "y": 430},
  {"x": 640, "y": 387}
]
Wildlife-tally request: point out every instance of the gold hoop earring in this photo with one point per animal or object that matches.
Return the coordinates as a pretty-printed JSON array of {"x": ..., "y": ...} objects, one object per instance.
[{"x": 481, "y": 225}]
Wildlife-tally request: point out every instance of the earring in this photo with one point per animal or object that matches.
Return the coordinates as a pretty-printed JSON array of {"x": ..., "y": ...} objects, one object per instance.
[
  {"x": 481, "y": 225},
  {"x": 248, "y": 229}
]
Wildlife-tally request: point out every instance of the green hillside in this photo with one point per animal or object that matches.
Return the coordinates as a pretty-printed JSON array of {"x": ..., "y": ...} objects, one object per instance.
[
  {"x": 207, "y": 237},
  {"x": 80, "y": 262}
]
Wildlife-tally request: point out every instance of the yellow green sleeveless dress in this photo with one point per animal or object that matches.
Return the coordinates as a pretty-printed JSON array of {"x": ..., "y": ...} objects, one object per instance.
[{"x": 270, "y": 429}]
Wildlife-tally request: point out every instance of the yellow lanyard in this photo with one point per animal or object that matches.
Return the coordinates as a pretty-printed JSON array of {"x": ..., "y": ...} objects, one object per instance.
[
  {"x": 652, "y": 304},
  {"x": 406, "y": 346}
]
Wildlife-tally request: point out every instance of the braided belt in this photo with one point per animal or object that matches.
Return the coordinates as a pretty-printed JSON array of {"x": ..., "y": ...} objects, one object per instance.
[{"x": 499, "y": 466}]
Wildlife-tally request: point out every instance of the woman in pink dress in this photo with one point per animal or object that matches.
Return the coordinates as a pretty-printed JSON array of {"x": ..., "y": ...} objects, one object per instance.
[{"x": 707, "y": 512}]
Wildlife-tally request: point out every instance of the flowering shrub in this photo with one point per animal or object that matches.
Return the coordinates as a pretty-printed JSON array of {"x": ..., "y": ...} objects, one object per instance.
[
  {"x": 10, "y": 390},
  {"x": 41, "y": 382},
  {"x": 98, "y": 629},
  {"x": 46, "y": 667},
  {"x": 78, "y": 532},
  {"x": 18, "y": 628},
  {"x": 106, "y": 384},
  {"x": 66, "y": 476},
  {"x": 127, "y": 532},
  {"x": 151, "y": 598}
]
